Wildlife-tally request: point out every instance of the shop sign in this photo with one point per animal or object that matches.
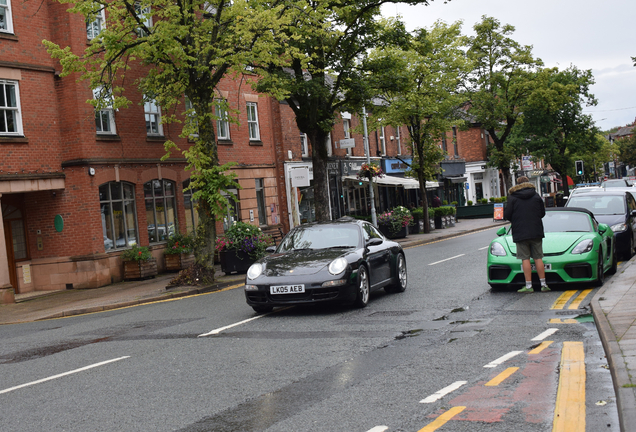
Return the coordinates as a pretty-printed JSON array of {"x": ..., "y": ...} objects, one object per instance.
[
  {"x": 526, "y": 163},
  {"x": 351, "y": 167},
  {"x": 299, "y": 176},
  {"x": 332, "y": 168},
  {"x": 347, "y": 143},
  {"x": 396, "y": 165}
]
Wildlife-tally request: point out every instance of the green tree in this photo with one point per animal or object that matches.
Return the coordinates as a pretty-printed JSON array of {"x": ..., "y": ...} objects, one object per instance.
[
  {"x": 501, "y": 81},
  {"x": 327, "y": 42},
  {"x": 554, "y": 125},
  {"x": 627, "y": 150},
  {"x": 595, "y": 158},
  {"x": 419, "y": 87},
  {"x": 180, "y": 48}
]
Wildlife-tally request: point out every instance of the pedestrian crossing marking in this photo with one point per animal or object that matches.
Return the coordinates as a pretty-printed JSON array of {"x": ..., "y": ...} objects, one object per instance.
[
  {"x": 442, "y": 419},
  {"x": 501, "y": 377}
]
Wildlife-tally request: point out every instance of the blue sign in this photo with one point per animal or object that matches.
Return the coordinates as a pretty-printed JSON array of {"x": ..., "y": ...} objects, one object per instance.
[
  {"x": 467, "y": 186},
  {"x": 396, "y": 165}
]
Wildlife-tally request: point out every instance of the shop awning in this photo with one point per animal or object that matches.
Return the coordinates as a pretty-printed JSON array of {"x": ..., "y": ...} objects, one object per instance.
[{"x": 405, "y": 182}]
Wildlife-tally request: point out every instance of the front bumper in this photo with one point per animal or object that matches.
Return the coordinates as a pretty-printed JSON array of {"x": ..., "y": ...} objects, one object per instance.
[
  {"x": 507, "y": 270},
  {"x": 314, "y": 291}
]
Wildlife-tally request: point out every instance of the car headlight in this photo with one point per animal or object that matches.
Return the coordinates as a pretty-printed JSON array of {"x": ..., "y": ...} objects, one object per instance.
[
  {"x": 497, "y": 249},
  {"x": 338, "y": 265},
  {"x": 255, "y": 271},
  {"x": 584, "y": 246},
  {"x": 619, "y": 227}
]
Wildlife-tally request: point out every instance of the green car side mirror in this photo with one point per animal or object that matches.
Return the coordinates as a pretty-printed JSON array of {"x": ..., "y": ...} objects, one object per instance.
[
  {"x": 501, "y": 231},
  {"x": 602, "y": 228}
]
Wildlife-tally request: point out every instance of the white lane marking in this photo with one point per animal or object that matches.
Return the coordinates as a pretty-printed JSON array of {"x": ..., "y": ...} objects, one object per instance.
[
  {"x": 62, "y": 374},
  {"x": 378, "y": 429},
  {"x": 220, "y": 329},
  {"x": 502, "y": 359},
  {"x": 447, "y": 259},
  {"x": 443, "y": 392},
  {"x": 485, "y": 247},
  {"x": 545, "y": 334}
]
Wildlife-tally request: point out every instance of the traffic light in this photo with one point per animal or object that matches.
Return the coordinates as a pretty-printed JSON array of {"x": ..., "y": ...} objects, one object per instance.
[{"x": 579, "y": 167}]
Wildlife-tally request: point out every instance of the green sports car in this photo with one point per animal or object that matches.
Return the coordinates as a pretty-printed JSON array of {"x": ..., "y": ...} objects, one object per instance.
[{"x": 576, "y": 248}]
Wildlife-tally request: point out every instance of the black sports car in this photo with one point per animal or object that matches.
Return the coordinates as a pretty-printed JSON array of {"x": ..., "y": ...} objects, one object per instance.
[{"x": 338, "y": 261}]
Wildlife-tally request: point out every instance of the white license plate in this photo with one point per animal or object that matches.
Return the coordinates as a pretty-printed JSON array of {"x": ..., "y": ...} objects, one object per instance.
[
  {"x": 286, "y": 289},
  {"x": 547, "y": 266}
]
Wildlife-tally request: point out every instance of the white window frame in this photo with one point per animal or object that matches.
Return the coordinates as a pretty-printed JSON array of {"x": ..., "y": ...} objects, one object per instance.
[
  {"x": 98, "y": 23},
  {"x": 304, "y": 145},
  {"x": 108, "y": 110},
  {"x": 144, "y": 14},
  {"x": 151, "y": 109},
  {"x": 8, "y": 16},
  {"x": 222, "y": 122},
  {"x": 328, "y": 145},
  {"x": 346, "y": 126},
  {"x": 252, "y": 121},
  {"x": 382, "y": 141},
  {"x": 398, "y": 139},
  {"x": 15, "y": 110}
]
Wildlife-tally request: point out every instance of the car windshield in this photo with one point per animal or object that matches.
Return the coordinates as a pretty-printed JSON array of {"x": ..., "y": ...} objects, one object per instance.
[
  {"x": 599, "y": 204},
  {"x": 321, "y": 237},
  {"x": 615, "y": 183},
  {"x": 564, "y": 221}
]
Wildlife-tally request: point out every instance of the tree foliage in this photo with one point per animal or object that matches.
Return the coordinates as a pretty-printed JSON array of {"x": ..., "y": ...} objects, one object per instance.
[
  {"x": 180, "y": 48},
  {"x": 418, "y": 86},
  {"x": 502, "y": 79}
]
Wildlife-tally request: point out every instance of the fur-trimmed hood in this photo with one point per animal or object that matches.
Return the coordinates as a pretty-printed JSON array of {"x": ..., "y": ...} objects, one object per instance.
[{"x": 521, "y": 186}]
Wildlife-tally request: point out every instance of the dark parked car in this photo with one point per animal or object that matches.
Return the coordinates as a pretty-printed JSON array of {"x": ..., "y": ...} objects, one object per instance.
[
  {"x": 340, "y": 261},
  {"x": 616, "y": 208}
]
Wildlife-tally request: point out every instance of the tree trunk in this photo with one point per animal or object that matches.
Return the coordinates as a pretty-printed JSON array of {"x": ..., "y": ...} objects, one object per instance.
[{"x": 321, "y": 175}]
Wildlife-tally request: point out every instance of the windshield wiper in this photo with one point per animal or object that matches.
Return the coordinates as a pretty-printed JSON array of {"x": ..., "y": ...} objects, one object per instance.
[{"x": 340, "y": 247}]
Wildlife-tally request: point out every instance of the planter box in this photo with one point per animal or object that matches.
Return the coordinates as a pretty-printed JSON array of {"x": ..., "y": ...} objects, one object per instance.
[
  {"x": 387, "y": 232},
  {"x": 235, "y": 261},
  {"x": 178, "y": 262},
  {"x": 140, "y": 269},
  {"x": 476, "y": 211},
  {"x": 416, "y": 227}
]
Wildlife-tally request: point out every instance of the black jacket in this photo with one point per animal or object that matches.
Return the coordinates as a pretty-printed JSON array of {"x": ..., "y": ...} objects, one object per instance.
[{"x": 525, "y": 210}]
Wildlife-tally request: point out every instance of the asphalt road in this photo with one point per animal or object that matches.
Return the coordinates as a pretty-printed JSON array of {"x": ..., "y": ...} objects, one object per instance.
[{"x": 419, "y": 360}]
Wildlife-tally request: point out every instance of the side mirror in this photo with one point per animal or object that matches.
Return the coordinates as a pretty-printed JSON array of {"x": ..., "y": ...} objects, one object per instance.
[
  {"x": 270, "y": 249},
  {"x": 633, "y": 213},
  {"x": 602, "y": 228},
  {"x": 501, "y": 231},
  {"x": 374, "y": 241}
]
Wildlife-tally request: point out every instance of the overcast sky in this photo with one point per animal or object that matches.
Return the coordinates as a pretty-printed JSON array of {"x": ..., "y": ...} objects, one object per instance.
[{"x": 590, "y": 34}]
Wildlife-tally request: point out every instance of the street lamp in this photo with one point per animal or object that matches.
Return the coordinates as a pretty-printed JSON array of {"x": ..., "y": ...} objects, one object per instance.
[{"x": 374, "y": 219}]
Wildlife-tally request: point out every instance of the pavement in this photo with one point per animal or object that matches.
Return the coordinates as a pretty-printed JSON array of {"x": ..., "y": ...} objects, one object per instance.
[{"x": 613, "y": 307}]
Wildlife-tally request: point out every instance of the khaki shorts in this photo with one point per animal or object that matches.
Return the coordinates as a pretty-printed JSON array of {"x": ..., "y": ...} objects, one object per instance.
[{"x": 532, "y": 248}]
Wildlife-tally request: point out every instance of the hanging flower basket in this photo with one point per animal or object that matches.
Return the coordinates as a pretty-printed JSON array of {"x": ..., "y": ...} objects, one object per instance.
[{"x": 369, "y": 171}]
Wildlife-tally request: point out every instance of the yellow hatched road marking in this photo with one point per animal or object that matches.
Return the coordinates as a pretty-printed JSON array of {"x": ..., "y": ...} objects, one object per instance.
[
  {"x": 502, "y": 376},
  {"x": 569, "y": 413},
  {"x": 441, "y": 420},
  {"x": 577, "y": 301},
  {"x": 563, "y": 299},
  {"x": 543, "y": 345}
]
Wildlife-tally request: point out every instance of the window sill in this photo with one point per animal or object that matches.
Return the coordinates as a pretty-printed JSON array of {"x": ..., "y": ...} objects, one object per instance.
[
  {"x": 225, "y": 142},
  {"x": 256, "y": 143},
  {"x": 9, "y": 36},
  {"x": 14, "y": 139},
  {"x": 108, "y": 137},
  {"x": 155, "y": 138}
]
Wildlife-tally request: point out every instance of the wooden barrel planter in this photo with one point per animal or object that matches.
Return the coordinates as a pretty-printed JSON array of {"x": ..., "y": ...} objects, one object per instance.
[
  {"x": 178, "y": 262},
  {"x": 135, "y": 270}
]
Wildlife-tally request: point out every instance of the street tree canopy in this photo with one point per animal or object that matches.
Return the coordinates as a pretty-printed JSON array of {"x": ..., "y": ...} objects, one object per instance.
[
  {"x": 181, "y": 49},
  {"x": 418, "y": 85}
]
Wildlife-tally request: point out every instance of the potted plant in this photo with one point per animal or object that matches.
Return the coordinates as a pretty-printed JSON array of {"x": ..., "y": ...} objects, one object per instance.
[
  {"x": 418, "y": 218},
  {"x": 240, "y": 246},
  {"x": 431, "y": 217},
  {"x": 394, "y": 223},
  {"x": 178, "y": 253},
  {"x": 138, "y": 263}
]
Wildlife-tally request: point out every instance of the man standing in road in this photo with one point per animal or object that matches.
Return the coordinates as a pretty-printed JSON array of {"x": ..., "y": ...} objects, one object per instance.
[{"x": 525, "y": 210}]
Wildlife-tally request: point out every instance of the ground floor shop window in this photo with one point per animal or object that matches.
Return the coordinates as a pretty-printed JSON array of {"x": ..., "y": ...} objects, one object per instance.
[
  {"x": 119, "y": 220},
  {"x": 160, "y": 210},
  {"x": 306, "y": 204},
  {"x": 232, "y": 213},
  {"x": 260, "y": 201}
]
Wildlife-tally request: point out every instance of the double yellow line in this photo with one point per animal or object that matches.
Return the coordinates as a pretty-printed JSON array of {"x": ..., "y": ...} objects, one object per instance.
[{"x": 567, "y": 295}]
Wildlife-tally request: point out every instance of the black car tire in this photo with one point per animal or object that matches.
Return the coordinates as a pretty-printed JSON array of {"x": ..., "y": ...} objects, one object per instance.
[
  {"x": 262, "y": 309},
  {"x": 401, "y": 276},
  {"x": 600, "y": 277},
  {"x": 614, "y": 266},
  {"x": 363, "y": 291}
]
